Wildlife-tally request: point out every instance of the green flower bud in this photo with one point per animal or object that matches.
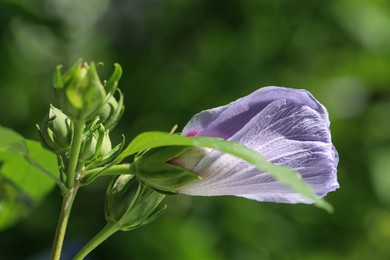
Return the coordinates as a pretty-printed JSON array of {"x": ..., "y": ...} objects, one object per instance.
[
  {"x": 56, "y": 131},
  {"x": 96, "y": 145},
  {"x": 106, "y": 145},
  {"x": 111, "y": 111},
  {"x": 155, "y": 169},
  {"x": 79, "y": 90},
  {"x": 131, "y": 204}
]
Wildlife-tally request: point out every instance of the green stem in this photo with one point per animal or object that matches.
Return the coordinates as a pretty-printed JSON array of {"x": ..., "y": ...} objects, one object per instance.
[
  {"x": 72, "y": 186},
  {"x": 105, "y": 233},
  {"x": 74, "y": 153},
  {"x": 125, "y": 168},
  {"x": 67, "y": 203},
  {"x": 91, "y": 175}
]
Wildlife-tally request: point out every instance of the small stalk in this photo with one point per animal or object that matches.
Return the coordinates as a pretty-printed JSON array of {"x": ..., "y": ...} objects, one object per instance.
[
  {"x": 114, "y": 170},
  {"x": 125, "y": 168},
  {"x": 100, "y": 237}
]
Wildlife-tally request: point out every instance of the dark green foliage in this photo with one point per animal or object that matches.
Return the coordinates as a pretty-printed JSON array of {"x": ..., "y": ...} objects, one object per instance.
[{"x": 180, "y": 57}]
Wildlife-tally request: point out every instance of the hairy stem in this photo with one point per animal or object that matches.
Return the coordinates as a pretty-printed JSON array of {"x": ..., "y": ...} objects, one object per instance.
[
  {"x": 100, "y": 237},
  {"x": 66, "y": 208},
  {"x": 74, "y": 153}
]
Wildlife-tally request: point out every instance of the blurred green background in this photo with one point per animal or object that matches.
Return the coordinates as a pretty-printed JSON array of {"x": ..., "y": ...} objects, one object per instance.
[{"x": 182, "y": 56}]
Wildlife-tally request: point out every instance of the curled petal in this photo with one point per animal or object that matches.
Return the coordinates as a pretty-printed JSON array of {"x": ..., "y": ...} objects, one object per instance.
[
  {"x": 292, "y": 130},
  {"x": 225, "y": 121}
]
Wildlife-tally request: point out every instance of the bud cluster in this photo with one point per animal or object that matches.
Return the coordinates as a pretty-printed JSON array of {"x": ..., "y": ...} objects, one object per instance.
[
  {"x": 83, "y": 98},
  {"x": 78, "y": 133}
]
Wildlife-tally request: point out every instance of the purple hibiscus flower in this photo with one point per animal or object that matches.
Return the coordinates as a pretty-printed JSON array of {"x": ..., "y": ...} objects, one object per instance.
[{"x": 287, "y": 126}]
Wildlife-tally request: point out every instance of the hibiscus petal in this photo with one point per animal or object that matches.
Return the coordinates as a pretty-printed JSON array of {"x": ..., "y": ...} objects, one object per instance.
[
  {"x": 227, "y": 120},
  {"x": 285, "y": 132}
]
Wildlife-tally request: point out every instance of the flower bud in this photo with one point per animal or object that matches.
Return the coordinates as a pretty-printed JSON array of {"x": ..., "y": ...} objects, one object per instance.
[
  {"x": 79, "y": 90},
  {"x": 157, "y": 169},
  {"x": 96, "y": 145},
  {"x": 111, "y": 111},
  {"x": 131, "y": 204},
  {"x": 56, "y": 131},
  {"x": 288, "y": 127}
]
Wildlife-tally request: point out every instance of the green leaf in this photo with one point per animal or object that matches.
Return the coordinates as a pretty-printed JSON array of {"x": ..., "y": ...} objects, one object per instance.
[
  {"x": 12, "y": 142},
  {"x": 149, "y": 140},
  {"x": 283, "y": 174},
  {"x": 22, "y": 183}
]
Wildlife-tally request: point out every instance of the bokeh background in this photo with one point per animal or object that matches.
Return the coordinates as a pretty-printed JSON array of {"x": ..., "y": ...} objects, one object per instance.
[{"x": 182, "y": 56}]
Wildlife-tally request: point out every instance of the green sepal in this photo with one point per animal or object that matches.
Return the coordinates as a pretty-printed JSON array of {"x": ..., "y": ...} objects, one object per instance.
[
  {"x": 58, "y": 82},
  {"x": 112, "y": 83},
  {"x": 70, "y": 72},
  {"x": 103, "y": 144},
  {"x": 112, "y": 110},
  {"x": 96, "y": 145},
  {"x": 130, "y": 204},
  {"x": 95, "y": 94},
  {"x": 154, "y": 169},
  {"x": 150, "y": 219},
  {"x": 106, "y": 161}
]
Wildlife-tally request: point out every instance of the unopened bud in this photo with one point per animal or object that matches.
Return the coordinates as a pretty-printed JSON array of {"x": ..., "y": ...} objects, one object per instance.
[
  {"x": 111, "y": 112},
  {"x": 154, "y": 168},
  {"x": 131, "y": 204},
  {"x": 56, "y": 131},
  {"x": 96, "y": 145},
  {"x": 79, "y": 90}
]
